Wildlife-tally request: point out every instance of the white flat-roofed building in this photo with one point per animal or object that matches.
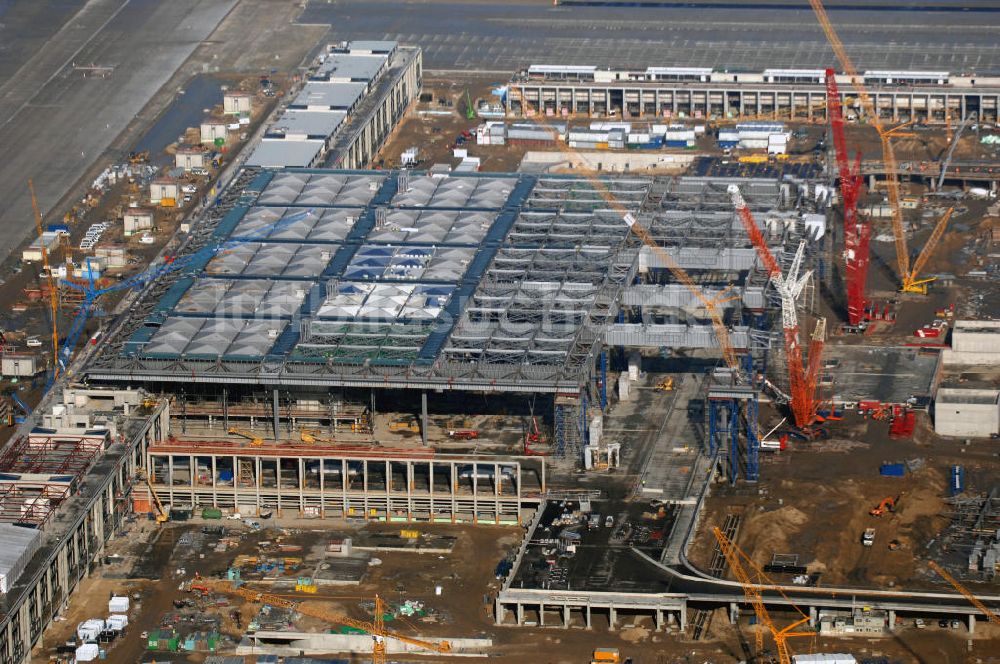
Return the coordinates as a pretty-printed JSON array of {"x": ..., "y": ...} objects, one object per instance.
[
  {"x": 237, "y": 102},
  {"x": 968, "y": 413},
  {"x": 277, "y": 153},
  {"x": 320, "y": 96}
]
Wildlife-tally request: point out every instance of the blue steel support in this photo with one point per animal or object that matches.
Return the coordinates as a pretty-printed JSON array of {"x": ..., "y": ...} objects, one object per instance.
[
  {"x": 604, "y": 380},
  {"x": 713, "y": 428},
  {"x": 753, "y": 442},
  {"x": 733, "y": 417},
  {"x": 560, "y": 431}
]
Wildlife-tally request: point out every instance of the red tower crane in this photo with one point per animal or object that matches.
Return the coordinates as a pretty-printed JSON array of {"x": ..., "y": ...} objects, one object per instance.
[{"x": 857, "y": 231}]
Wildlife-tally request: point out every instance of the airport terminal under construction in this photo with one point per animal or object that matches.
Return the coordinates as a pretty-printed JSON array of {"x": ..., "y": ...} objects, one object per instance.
[{"x": 623, "y": 372}]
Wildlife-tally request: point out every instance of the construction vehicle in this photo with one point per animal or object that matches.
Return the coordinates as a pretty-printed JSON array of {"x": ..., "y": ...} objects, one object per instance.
[
  {"x": 752, "y": 586},
  {"x": 162, "y": 516},
  {"x": 908, "y": 278},
  {"x": 405, "y": 425},
  {"x": 802, "y": 379},
  {"x": 912, "y": 282},
  {"x": 665, "y": 385},
  {"x": 311, "y": 436},
  {"x": 53, "y": 296},
  {"x": 888, "y": 504},
  {"x": 463, "y": 434},
  {"x": 532, "y": 436},
  {"x": 375, "y": 627},
  {"x": 868, "y": 537},
  {"x": 607, "y": 655},
  {"x": 990, "y": 615},
  {"x": 255, "y": 440}
]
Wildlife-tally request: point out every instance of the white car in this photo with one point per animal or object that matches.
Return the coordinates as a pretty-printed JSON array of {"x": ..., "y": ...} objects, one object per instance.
[
  {"x": 147, "y": 239},
  {"x": 189, "y": 189},
  {"x": 33, "y": 342}
]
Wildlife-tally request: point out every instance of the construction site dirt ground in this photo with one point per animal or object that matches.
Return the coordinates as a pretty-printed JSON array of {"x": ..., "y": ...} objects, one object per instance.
[
  {"x": 464, "y": 608},
  {"x": 814, "y": 499}
]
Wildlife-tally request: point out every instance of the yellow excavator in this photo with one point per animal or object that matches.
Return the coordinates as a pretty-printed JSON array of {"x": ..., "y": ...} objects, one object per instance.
[{"x": 255, "y": 440}]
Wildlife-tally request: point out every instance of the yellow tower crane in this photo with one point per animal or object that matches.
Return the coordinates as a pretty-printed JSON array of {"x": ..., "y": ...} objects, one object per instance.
[
  {"x": 752, "y": 587},
  {"x": 375, "y": 627},
  {"x": 53, "y": 296}
]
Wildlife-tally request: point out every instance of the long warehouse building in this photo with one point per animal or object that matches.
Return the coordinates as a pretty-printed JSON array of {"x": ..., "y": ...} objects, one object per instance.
[{"x": 702, "y": 92}]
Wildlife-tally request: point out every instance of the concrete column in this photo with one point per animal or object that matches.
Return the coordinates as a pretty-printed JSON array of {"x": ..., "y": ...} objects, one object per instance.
[
  {"x": 612, "y": 618},
  {"x": 683, "y": 617},
  {"x": 274, "y": 413},
  {"x": 812, "y": 616},
  {"x": 734, "y": 612},
  {"x": 589, "y": 620},
  {"x": 658, "y": 620},
  {"x": 520, "y": 613},
  {"x": 566, "y": 615},
  {"x": 892, "y": 620},
  {"x": 541, "y": 615},
  {"x": 972, "y": 618},
  {"x": 423, "y": 418}
]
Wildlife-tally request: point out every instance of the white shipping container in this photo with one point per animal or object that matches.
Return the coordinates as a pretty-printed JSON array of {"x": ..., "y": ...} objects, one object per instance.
[
  {"x": 118, "y": 605},
  {"x": 116, "y": 621},
  {"x": 89, "y": 630},
  {"x": 88, "y": 652},
  {"x": 753, "y": 143}
]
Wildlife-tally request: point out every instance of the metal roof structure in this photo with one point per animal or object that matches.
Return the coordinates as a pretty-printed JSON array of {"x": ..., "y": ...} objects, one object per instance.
[
  {"x": 471, "y": 281},
  {"x": 278, "y": 153},
  {"x": 320, "y": 96},
  {"x": 302, "y": 125},
  {"x": 349, "y": 67}
]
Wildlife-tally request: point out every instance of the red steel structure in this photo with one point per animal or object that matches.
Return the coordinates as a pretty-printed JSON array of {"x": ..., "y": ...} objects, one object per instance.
[{"x": 857, "y": 231}]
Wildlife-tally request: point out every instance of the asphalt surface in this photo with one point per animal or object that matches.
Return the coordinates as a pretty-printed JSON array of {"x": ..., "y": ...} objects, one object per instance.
[
  {"x": 57, "y": 119},
  {"x": 499, "y": 36}
]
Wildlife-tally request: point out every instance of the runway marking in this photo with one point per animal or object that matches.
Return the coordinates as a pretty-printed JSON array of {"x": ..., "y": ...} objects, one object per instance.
[{"x": 63, "y": 66}]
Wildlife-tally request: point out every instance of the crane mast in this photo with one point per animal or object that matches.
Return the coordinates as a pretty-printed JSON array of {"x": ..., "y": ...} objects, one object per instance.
[
  {"x": 857, "y": 231},
  {"x": 53, "y": 296},
  {"x": 789, "y": 286}
]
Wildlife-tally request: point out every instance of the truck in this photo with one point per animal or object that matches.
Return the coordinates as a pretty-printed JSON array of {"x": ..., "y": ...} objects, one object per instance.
[
  {"x": 607, "y": 655},
  {"x": 868, "y": 539}
]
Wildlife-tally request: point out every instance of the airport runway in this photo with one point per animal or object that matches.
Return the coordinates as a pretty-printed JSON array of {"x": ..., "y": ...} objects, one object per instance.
[
  {"x": 56, "y": 116},
  {"x": 466, "y": 34}
]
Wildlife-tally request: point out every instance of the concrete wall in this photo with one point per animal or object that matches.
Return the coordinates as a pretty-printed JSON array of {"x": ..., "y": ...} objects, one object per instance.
[
  {"x": 974, "y": 342},
  {"x": 57, "y": 569},
  {"x": 967, "y": 413},
  {"x": 614, "y": 162}
]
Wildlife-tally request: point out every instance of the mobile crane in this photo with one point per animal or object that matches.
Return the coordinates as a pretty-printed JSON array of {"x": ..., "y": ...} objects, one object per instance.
[
  {"x": 375, "y": 627},
  {"x": 752, "y": 586}
]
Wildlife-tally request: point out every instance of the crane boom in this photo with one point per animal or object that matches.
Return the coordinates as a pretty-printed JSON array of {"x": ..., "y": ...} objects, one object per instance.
[
  {"x": 752, "y": 591},
  {"x": 888, "y": 155},
  {"x": 973, "y": 600},
  {"x": 53, "y": 296},
  {"x": 376, "y": 628},
  {"x": 913, "y": 283},
  {"x": 953, "y": 143}
]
